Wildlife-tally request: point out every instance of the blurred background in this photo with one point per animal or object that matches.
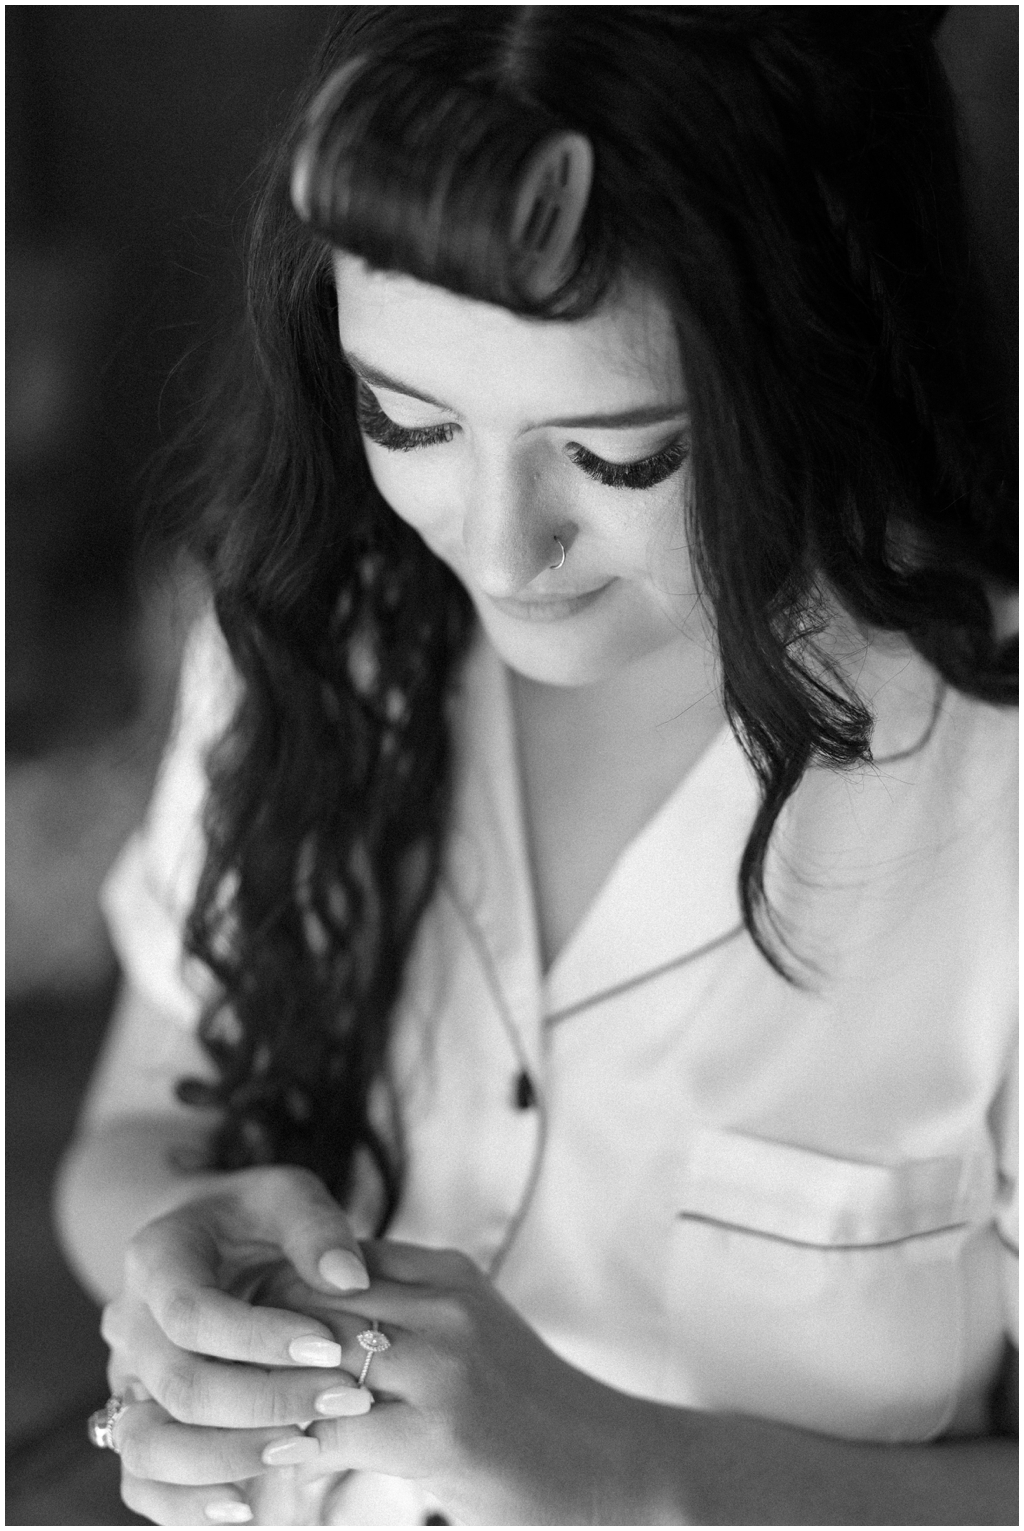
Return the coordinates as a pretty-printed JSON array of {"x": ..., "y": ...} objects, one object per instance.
[{"x": 132, "y": 132}]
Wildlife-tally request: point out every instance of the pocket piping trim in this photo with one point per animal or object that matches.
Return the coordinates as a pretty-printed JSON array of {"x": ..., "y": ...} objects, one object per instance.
[{"x": 781, "y": 1238}]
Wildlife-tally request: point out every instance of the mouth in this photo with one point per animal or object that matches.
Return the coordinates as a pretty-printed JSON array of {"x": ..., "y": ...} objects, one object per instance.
[{"x": 556, "y": 608}]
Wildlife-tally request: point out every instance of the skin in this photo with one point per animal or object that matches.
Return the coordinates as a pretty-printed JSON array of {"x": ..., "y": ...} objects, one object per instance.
[
  {"x": 491, "y": 501},
  {"x": 614, "y": 699},
  {"x": 469, "y": 1402}
]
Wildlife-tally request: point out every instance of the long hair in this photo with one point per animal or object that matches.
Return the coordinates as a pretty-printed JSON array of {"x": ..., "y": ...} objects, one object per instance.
[{"x": 787, "y": 179}]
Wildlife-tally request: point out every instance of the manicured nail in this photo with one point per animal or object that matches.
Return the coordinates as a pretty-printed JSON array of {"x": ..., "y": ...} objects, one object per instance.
[
  {"x": 228, "y": 1512},
  {"x": 344, "y": 1270},
  {"x": 344, "y": 1400},
  {"x": 291, "y": 1452},
  {"x": 311, "y": 1350}
]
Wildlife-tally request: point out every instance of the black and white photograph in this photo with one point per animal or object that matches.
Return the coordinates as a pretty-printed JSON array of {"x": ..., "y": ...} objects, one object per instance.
[{"x": 512, "y": 765}]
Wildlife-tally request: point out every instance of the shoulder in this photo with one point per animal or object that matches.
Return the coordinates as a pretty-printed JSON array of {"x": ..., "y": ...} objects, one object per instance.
[
  {"x": 209, "y": 686},
  {"x": 976, "y": 752},
  {"x": 941, "y": 762},
  {"x": 916, "y": 847},
  {"x": 152, "y": 885},
  {"x": 958, "y": 786}
]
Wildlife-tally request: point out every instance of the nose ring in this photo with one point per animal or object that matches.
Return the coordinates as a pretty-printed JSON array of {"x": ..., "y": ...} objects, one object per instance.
[{"x": 561, "y": 561}]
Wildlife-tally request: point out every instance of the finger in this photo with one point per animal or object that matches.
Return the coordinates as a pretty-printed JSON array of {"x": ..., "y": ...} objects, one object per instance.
[
  {"x": 219, "y": 1504},
  {"x": 407, "y": 1282},
  {"x": 312, "y": 1230},
  {"x": 154, "y": 1447},
  {"x": 428, "y": 1328},
  {"x": 397, "y": 1305},
  {"x": 123, "y": 1381},
  {"x": 175, "y": 1268},
  {"x": 390, "y": 1439},
  {"x": 418, "y": 1265},
  {"x": 198, "y": 1391}
]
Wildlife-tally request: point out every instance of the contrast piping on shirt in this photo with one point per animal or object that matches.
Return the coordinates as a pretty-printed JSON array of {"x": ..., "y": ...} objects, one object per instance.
[
  {"x": 483, "y": 956},
  {"x": 780, "y": 1238},
  {"x": 1008, "y": 1244},
  {"x": 925, "y": 739},
  {"x": 652, "y": 973}
]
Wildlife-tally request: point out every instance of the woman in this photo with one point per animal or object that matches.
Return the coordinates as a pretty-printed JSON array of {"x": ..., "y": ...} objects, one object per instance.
[{"x": 586, "y": 820}]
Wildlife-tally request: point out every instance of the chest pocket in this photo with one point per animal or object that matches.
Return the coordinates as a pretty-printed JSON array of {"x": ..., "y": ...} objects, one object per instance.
[{"x": 824, "y": 1292}]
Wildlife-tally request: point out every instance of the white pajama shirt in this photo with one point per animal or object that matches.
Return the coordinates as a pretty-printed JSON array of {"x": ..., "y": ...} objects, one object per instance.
[{"x": 720, "y": 1190}]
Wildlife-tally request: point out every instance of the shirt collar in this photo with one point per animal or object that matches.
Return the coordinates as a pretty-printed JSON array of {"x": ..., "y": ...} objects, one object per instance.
[{"x": 672, "y": 892}]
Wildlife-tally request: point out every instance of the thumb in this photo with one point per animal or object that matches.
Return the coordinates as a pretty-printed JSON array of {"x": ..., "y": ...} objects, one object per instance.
[{"x": 313, "y": 1232}]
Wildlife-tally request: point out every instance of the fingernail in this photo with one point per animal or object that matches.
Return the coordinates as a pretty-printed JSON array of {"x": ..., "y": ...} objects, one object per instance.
[
  {"x": 344, "y": 1270},
  {"x": 228, "y": 1512},
  {"x": 311, "y": 1350},
  {"x": 291, "y": 1452},
  {"x": 344, "y": 1400}
]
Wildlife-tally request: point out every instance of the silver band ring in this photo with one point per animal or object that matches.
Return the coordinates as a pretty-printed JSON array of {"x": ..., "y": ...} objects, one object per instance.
[
  {"x": 101, "y": 1424},
  {"x": 375, "y": 1344},
  {"x": 561, "y": 561}
]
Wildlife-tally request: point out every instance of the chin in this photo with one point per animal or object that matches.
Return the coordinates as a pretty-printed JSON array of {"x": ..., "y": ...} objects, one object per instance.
[{"x": 557, "y": 656}]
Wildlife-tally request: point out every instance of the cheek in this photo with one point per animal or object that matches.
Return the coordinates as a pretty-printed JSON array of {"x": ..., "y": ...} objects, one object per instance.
[
  {"x": 420, "y": 497},
  {"x": 650, "y": 531},
  {"x": 671, "y": 565}
]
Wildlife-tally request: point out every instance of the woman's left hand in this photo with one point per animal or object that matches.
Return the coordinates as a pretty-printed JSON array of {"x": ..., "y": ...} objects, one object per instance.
[
  {"x": 499, "y": 1430},
  {"x": 473, "y": 1405}
]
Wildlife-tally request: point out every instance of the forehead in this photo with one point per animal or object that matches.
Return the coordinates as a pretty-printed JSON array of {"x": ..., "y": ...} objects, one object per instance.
[{"x": 456, "y": 348}]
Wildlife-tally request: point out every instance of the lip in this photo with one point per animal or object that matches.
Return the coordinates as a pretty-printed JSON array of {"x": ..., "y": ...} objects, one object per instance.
[{"x": 550, "y": 608}]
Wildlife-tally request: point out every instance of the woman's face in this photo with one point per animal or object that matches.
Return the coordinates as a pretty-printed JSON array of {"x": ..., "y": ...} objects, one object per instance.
[{"x": 492, "y": 435}]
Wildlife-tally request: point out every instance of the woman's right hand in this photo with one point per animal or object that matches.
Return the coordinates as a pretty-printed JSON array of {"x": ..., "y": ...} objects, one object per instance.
[{"x": 220, "y": 1388}]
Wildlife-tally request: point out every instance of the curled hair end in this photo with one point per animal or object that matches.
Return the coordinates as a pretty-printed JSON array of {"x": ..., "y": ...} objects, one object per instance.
[
  {"x": 325, "y": 103},
  {"x": 465, "y": 189}
]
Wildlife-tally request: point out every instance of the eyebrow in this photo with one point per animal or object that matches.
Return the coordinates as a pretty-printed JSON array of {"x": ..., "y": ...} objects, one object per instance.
[{"x": 644, "y": 414}]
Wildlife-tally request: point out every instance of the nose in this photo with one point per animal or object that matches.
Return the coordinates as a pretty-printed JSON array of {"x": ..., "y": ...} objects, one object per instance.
[{"x": 510, "y": 521}]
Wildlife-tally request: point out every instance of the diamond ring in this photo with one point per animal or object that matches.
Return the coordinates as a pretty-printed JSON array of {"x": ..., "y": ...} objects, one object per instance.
[
  {"x": 101, "y": 1424},
  {"x": 375, "y": 1344}
]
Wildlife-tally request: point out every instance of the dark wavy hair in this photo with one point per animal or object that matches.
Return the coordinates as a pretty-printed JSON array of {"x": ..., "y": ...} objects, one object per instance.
[{"x": 787, "y": 178}]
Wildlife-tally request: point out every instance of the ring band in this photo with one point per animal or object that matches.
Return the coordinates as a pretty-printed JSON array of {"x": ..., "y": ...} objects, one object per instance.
[
  {"x": 375, "y": 1344},
  {"x": 101, "y": 1424},
  {"x": 561, "y": 546}
]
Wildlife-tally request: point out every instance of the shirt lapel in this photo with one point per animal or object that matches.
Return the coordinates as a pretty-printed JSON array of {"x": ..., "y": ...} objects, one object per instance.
[
  {"x": 487, "y": 863},
  {"x": 671, "y": 894},
  {"x": 673, "y": 891}
]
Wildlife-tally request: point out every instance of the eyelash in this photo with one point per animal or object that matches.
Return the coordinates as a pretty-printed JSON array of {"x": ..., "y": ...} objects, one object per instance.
[
  {"x": 643, "y": 474},
  {"x": 397, "y": 438}
]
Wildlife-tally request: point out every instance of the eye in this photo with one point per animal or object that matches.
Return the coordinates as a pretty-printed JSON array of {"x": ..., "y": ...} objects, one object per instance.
[
  {"x": 380, "y": 428},
  {"x": 642, "y": 474}
]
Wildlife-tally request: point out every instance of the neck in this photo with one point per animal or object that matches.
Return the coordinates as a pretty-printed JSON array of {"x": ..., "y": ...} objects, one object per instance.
[
  {"x": 596, "y": 763},
  {"x": 670, "y": 693},
  {"x": 659, "y": 712}
]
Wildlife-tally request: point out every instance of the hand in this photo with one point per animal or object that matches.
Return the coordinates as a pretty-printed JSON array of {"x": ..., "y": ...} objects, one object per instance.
[
  {"x": 198, "y": 1423},
  {"x": 473, "y": 1404}
]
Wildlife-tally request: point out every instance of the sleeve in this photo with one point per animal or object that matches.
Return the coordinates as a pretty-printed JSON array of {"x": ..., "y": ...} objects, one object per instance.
[
  {"x": 150, "y": 889},
  {"x": 1006, "y": 1119}
]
